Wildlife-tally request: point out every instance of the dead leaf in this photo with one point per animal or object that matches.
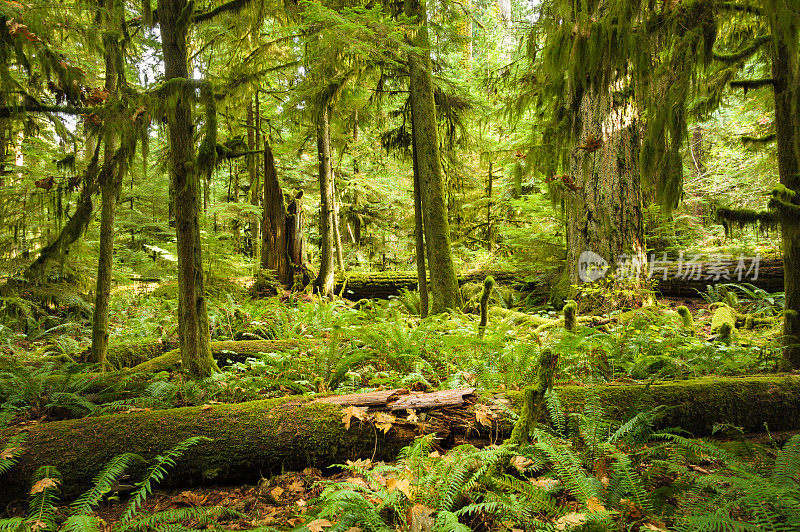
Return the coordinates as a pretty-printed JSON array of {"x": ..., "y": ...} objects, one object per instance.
[
  {"x": 484, "y": 415},
  {"x": 45, "y": 483},
  {"x": 8, "y": 454},
  {"x": 570, "y": 520},
  {"x": 353, "y": 412},
  {"x": 593, "y": 504},
  {"x": 319, "y": 525},
  {"x": 300, "y": 502},
  {"x": 383, "y": 421},
  {"x": 36, "y": 525},
  {"x": 412, "y": 416},
  {"x": 364, "y": 463},
  {"x": 546, "y": 484},
  {"x": 358, "y": 481},
  {"x": 403, "y": 485},
  {"x": 521, "y": 463},
  {"x": 206, "y": 407},
  {"x": 651, "y": 526},
  {"x": 276, "y": 493},
  {"x": 296, "y": 485}
]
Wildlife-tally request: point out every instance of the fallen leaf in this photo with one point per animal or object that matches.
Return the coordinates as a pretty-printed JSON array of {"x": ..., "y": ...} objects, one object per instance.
[
  {"x": 296, "y": 485},
  {"x": 383, "y": 421},
  {"x": 546, "y": 484},
  {"x": 36, "y": 525},
  {"x": 300, "y": 502},
  {"x": 412, "y": 416},
  {"x": 364, "y": 463},
  {"x": 206, "y": 407},
  {"x": 8, "y": 454},
  {"x": 318, "y": 525},
  {"x": 403, "y": 485},
  {"x": 45, "y": 483},
  {"x": 353, "y": 412},
  {"x": 593, "y": 504},
  {"x": 358, "y": 481},
  {"x": 276, "y": 493},
  {"x": 651, "y": 526},
  {"x": 570, "y": 520},
  {"x": 484, "y": 415},
  {"x": 521, "y": 463}
]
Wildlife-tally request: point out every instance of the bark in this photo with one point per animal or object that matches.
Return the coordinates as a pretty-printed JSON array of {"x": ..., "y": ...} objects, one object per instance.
[
  {"x": 273, "y": 233},
  {"x": 444, "y": 286},
  {"x": 109, "y": 190},
  {"x": 264, "y": 437},
  {"x": 255, "y": 185},
  {"x": 604, "y": 205},
  {"x": 337, "y": 230},
  {"x": 295, "y": 243},
  {"x": 324, "y": 282},
  {"x": 193, "y": 330}
]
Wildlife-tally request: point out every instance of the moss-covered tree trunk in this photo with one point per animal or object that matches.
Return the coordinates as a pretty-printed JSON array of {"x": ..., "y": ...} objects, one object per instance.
[
  {"x": 193, "y": 331},
  {"x": 786, "y": 77},
  {"x": 602, "y": 192},
  {"x": 419, "y": 235},
  {"x": 325, "y": 278},
  {"x": 110, "y": 185},
  {"x": 444, "y": 284}
]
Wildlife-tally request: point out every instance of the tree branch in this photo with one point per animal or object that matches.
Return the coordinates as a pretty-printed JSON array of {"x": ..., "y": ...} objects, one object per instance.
[
  {"x": 748, "y": 84},
  {"x": 15, "y": 110},
  {"x": 745, "y": 52},
  {"x": 233, "y": 5}
]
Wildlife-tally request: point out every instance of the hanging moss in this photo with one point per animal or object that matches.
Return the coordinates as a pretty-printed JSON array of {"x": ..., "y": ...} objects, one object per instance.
[{"x": 741, "y": 218}]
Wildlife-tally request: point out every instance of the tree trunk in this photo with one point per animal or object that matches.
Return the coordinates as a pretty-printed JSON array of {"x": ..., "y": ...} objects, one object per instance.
[
  {"x": 419, "y": 234},
  {"x": 295, "y": 242},
  {"x": 444, "y": 285},
  {"x": 193, "y": 331},
  {"x": 109, "y": 190},
  {"x": 787, "y": 120},
  {"x": 255, "y": 187},
  {"x": 273, "y": 233},
  {"x": 324, "y": 281},
  {"x": 603, "y": 191},
  {"x": 337, "y": 234}
]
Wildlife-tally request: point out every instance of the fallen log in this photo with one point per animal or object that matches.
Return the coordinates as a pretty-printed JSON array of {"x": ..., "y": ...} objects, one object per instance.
[
  {"x": 263, "y": 437},
  {"x": 382, "y": 285},
  {"x": 224, "y": 353}
]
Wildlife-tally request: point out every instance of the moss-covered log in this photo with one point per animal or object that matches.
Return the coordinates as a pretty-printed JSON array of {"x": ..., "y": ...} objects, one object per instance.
[
  {"x": 261, "y": 437},
  {"x": 250, "y": 440},
  {"x": 382, "y": 285},
  {"x": 223, "y": 352}
]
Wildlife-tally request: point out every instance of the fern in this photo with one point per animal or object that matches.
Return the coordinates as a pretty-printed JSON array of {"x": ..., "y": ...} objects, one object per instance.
[
  {"x": 156, "y": 473},
  {"x": 203, "y": 516},
  {"x": 81, "y": 523},
  {"x": 787, "y": 464}
]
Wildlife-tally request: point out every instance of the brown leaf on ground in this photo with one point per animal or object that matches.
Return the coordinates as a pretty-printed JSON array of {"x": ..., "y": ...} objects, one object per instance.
[
  {"x": 353, "y": 412},
  {"x": 8, "y": 454},
  {"x": 45, "y": 483},
  {"x": 319, "y": 525}
]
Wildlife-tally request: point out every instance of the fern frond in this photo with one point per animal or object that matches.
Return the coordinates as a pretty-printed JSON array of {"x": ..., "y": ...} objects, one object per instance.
[
  {"x": 44, "y": 491},
  {"x": 202, "y": 515},
  {"x": 640, "y": 424},
  {"x": 102, "y": 483},
  {"x": 787, "y": 464},
  {"x": 156, "y": 473},
  {"x": 81, "y": 523},
  {"x": 556, "y": 411},
  {"x": 14, "y": 524}
]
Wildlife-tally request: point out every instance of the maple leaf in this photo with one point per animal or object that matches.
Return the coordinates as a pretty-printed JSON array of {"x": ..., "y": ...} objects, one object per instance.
[
  {"x": 412, "y": 416},
  {"x": 318, "y": 525},
  {"x": 8, "y": 454},
  {"x": 570, "y": 520},
  {"x": 45, "y": 483},
  {"x": 384, "y": 421},
  {"x": 38, "y": 524},
  {"x": 364, "y": 463},
  {"x": 593, "y": 504},
  {"x": 403, "y": 485},
  {"x": 276, "y": 493},
  {"x": 353, "y": 412},
  {"x": 521, "y": 463},
  {"x": 484, "y": 415}
]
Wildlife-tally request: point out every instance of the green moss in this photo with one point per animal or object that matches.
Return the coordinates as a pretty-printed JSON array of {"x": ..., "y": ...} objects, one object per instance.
[
  {"x": 133, "y": 353},
  {"x": 488, "y": 285},
  {"x": 723, "y": 314},
  {"x": 570, "y": 315},
  {"x": 686, "y": 317}
]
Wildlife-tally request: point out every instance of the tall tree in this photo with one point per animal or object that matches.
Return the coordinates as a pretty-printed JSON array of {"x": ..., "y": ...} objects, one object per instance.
[
  {"x": 443, "y": 281},
  {"x": 111, "y": 15},
  {"x": 325, "y": 278},
  {"x": 193, "y": 329}
]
